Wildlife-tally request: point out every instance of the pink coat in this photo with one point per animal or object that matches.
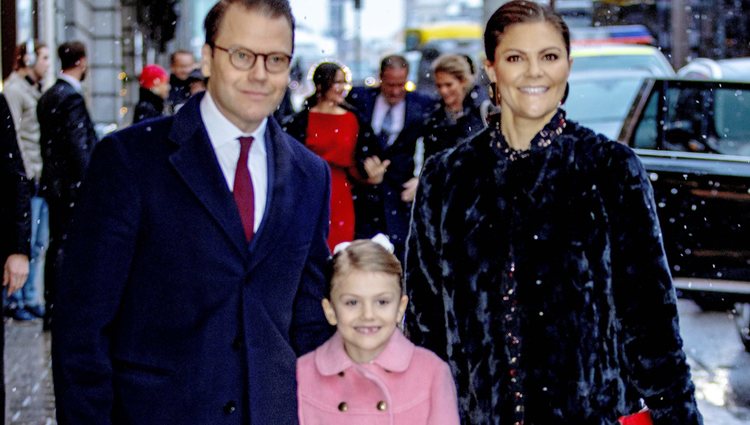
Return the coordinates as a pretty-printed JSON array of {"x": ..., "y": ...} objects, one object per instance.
[{"x": 404, "y": 385}]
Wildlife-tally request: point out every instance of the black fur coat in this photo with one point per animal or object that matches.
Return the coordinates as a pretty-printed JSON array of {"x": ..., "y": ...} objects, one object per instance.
[{"x": 540, "y": 276}]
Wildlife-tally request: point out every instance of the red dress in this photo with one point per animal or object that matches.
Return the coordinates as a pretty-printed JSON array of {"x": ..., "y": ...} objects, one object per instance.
[{"x": 334, "y": 138}]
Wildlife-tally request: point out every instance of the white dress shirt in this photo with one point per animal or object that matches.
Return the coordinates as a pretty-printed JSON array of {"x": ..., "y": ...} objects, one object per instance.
[
  {"x": 398, "y": 116},
  {"x": 224, "y": 138},
  {"x": 72, "y": 81}
]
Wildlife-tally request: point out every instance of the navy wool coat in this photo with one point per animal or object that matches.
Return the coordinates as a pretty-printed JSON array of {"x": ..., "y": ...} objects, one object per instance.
[
  {"x": 165, "y": 315},
  {"x": 542, "y": 280},
  {"x": 379, "y": 208}
]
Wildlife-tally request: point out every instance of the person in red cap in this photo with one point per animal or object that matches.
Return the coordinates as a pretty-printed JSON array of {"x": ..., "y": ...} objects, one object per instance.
[{"x": 153, "y": 92}]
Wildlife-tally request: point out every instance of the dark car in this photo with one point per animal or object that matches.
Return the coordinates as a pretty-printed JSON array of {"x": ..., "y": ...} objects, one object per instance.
[{"x": 694, "y": 139}]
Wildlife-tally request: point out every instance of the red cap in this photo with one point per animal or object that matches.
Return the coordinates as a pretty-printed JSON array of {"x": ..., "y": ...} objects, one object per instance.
[{"x": 153, "y": 75}]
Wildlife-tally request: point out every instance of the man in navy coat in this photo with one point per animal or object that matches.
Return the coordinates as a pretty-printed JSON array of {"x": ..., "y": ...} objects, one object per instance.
[
  {"x": 176, "y": 306},
  {"x": 399, "y": 118}
]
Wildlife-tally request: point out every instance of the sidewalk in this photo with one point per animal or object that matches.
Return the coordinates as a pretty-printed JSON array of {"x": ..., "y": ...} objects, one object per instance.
[{"x": 28, "y": 381}]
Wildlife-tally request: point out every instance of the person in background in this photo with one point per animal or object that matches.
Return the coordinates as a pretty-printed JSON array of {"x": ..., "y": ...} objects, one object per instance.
[
  {"x": 328, "y": 127},
  {"x": 368, "y": 372},
  {"x": 67, "y": 138},
  {"x": 536, "y": 266},
  {"x": 181, "y": 64},
  {"x": 22, "y": 89},
  {"x": 197, "y": 82},
  {"x": 193, "y": 275},
  {"x": 15, "y": 222},
  {"x": 154, "y": 89},
  {"x": 459, "y": 114},
  {"x": 397, "y": 117}
]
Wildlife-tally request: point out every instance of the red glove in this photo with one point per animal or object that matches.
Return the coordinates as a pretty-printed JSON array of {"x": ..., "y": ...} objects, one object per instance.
[{"x": 640, "y": 418}]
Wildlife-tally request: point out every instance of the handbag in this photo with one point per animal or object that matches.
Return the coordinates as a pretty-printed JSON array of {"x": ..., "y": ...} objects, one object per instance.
[{"x": 641, "y": 418}]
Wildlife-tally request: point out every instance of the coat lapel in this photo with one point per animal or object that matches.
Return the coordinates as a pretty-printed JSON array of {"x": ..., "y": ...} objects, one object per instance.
[
  {"x": 280, "y": 201},
  {"x": 197, "y": 165}
]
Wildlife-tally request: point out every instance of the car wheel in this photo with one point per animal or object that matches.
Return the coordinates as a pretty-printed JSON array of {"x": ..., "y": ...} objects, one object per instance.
[{"x": 742, "y": 320}]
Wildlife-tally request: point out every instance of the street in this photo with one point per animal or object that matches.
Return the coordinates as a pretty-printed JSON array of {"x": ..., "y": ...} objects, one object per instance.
[
  {"x": 720, "y": 366},
  {"x": 721, "y": 369}
]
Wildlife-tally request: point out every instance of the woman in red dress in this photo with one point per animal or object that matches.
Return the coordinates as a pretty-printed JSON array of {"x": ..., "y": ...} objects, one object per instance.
[{"x": 333, "y": 131}]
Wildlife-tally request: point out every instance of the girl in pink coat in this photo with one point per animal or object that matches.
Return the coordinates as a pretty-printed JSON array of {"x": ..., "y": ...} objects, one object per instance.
[{"x": 368, "y": 372}]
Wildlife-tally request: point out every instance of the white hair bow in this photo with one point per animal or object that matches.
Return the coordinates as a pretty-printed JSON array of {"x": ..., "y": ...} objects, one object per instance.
[{"x": 379, "y": 239}]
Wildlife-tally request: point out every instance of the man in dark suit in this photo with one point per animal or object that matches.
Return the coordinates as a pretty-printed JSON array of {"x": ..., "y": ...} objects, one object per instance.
[
  {"x": 398, "y": 117},
  {"x": 67, "y": 138},
  {"x": 15, "y": 220},
  {"x": 194, "y": 273}
]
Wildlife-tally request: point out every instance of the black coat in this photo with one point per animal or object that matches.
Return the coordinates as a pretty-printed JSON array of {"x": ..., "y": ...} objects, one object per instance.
[
  {"x": 542, "y": 280},
  {"x": 165, "y": 313},
  {"x": 15, "y": 191},
  {"x": 379, "y": 208},
  {"x": 150, "y": 105},
  {"x": 179, "y": 92},
  {"x": 442, "y": 132},
  {"x": 67, "y": 138}
]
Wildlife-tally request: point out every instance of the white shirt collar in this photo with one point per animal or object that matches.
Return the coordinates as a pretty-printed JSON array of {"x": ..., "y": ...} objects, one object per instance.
[
  {"x": 70, "y": 80},
  {"x": 221, "y": 131}
]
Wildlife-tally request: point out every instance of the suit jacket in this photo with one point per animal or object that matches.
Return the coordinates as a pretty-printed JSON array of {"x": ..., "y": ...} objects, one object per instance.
[
  {"x": 379, "y": 208},
  {"x": 165, "y": 314},
  {"x": 67, "y": 138},
  {"x": 15, "y": 191}
]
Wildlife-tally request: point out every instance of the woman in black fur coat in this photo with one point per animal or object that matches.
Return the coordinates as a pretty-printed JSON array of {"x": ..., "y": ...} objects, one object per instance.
[
  {"x": 459, "y": 114},
  {"x": 535, "y": 263}
]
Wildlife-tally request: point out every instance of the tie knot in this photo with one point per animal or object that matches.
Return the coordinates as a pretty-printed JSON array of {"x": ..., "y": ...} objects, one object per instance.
[{"x": 245, "y": 143}]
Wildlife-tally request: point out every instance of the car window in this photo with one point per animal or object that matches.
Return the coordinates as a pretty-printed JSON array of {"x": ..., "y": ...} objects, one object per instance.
[
  {"x": 696, "y": 119},
  {"x": 602, "y": 102},
  {"x": 646, "y": 134},
  {"x": 650, "y": 64},
  {"x": 731, "y": 109}
]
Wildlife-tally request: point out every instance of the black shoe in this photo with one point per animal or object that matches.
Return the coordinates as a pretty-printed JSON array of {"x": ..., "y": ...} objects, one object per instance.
[
  {"x": 36, "y": 310},
  {"x": 22, "y": 315},
  {"x": 10, "y": 309}
]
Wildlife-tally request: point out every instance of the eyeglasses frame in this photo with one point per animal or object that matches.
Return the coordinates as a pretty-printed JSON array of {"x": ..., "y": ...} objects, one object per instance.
[{"x": 232, "y": 50}]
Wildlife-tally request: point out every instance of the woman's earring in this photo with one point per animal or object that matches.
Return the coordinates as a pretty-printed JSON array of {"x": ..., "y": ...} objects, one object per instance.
[
  {"x": 493, "y": 93},
  {"x": 565, "y": 95}
]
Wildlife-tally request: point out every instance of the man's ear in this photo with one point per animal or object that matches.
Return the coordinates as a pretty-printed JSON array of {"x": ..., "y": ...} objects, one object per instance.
[{"x": 329, "y": 312}]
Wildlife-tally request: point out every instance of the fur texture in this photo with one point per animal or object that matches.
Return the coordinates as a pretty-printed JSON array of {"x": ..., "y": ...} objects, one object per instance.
[{"x": 543, "y": 282}]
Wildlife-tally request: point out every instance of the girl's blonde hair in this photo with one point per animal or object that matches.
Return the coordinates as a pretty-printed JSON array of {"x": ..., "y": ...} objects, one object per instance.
[{"x": 367, "y": 256}]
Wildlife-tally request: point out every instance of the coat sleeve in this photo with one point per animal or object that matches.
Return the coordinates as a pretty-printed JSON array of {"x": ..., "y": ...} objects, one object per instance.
[
  {"x": 16, "y": 186},
  {"x": 644, "y": 297},
  {"x": 443, "y": 399},
  {"x": 425, "y": 323},
  {"x": 309, "y": 327},
  {"x": 79, "y": 137},
  {"x": 94, "y": 272}
]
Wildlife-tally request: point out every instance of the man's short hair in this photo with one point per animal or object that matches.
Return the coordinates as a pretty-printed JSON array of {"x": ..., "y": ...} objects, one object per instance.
[
  {"x": 269, "y": 8},
  {"x": 394, "y": 62},
  {"x": 70, "y": 53},
  {"x": 173, "y": 56}
]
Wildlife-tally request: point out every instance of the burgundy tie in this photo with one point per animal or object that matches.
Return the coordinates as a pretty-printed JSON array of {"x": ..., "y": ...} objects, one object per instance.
[{"x": 243, "y": 189}]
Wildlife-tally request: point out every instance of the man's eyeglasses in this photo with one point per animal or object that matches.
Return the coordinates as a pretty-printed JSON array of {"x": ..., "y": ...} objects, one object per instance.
[{"x": 244, "y": 59}]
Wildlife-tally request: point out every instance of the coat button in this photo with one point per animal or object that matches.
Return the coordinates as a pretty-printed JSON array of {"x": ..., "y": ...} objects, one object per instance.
[
  {"x": 237, "y": 343},
  {"x": 343, "y": 407},
  {"x": 382, "y": 406},
  {"x": 230, "y": 407}
]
